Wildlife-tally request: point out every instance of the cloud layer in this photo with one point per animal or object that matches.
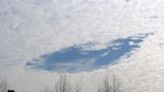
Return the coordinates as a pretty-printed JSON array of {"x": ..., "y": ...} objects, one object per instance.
[{"x": 32, "y": 28}]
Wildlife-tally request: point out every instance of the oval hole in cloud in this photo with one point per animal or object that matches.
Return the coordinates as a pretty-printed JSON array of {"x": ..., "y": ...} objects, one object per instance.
[{"x": 75, "y": 59}]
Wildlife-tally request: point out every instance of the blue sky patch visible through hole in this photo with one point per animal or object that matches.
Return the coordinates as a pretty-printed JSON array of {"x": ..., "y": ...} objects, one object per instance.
[{"x": 75, "y": 59}]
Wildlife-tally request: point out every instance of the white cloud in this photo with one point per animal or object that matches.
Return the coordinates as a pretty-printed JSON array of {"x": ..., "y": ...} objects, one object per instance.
[{"x": 30, "y": 28}]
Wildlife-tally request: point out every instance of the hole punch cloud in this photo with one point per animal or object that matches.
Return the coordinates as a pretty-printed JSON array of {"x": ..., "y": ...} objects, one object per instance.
[{"x": 76, "y": 59}]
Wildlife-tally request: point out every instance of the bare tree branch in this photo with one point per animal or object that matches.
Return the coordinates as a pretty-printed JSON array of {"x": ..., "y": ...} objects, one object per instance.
[
  {"x": 63, "y": 84},
  {"x": 77, "y": 88},
  {"x": 107, "y": 86}
]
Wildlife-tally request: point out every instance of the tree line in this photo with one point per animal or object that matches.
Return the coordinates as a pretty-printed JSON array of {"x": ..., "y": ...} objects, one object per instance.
[{"x": 63, "y": 84}]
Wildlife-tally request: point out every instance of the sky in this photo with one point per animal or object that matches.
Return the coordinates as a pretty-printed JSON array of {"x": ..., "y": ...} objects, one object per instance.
[
  {"x": 86, "y": 57},
  {"x": 85, "y": 38}
]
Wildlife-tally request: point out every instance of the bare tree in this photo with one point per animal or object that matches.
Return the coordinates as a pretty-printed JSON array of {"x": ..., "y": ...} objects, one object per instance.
[
  {"x": 116, "y": 85},
  {"x": 107, "y": 86},
  {"x": 63, "y": 84},
  {"x": 77, "y": 88},
  {"x": 3, "y": 84}
]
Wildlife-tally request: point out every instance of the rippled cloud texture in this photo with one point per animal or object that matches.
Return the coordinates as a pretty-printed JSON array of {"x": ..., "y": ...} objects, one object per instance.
[{"x": 39, "y": 38}]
